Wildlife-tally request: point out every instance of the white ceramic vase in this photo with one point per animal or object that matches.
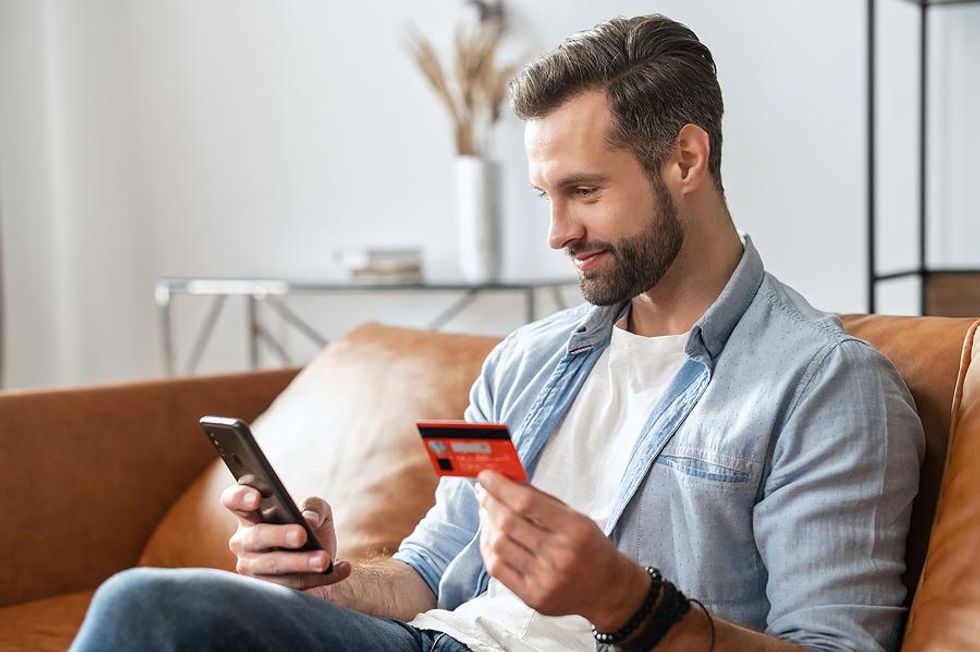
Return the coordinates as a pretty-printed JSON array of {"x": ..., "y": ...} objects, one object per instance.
[{"x": 478, "y": 218}]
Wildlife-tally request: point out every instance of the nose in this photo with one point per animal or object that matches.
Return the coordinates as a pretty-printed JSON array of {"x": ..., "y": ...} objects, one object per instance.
[{"x": 564, "y": 228}]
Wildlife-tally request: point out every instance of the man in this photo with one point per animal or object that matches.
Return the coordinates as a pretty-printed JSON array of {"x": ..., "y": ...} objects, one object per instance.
[{"x": 695, "y": 430}]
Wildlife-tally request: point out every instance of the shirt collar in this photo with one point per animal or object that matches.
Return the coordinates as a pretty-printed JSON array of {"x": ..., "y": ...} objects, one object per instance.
[{"x": 710, "y": 333}]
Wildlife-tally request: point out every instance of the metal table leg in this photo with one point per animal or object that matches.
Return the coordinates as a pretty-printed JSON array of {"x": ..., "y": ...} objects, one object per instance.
[
  {"x": 251, "y": 304},
  {"x": 204, "y": 336},
  {"x": 274, "y": 344},
  {"x": 162, "y": 296},
  {"x": 559, "y": 299},
  {"x": 529, "y": 307},
  {"x": 297, "y": 322},
  {"x": 457, "y": 307}
]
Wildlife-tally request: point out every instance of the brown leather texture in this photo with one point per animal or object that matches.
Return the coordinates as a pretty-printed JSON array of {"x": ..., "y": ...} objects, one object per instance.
[
  {"x": 88, "y": 473},
  {"x": 48, "y": 624},
  {"x": 946, "y": 611},
  {"x": 927, "y": 352},
  {"x": 344, "y": 430}
]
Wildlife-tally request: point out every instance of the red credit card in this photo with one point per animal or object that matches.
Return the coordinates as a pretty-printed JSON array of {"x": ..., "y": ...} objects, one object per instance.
[{"x": 462, "y": 449}]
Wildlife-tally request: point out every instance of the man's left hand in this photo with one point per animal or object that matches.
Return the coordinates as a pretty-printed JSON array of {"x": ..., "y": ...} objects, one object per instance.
[{"x": 555, "y": 559}]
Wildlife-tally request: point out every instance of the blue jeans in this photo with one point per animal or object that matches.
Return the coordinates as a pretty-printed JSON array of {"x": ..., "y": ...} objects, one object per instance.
[{"x": 205, "y": 609}]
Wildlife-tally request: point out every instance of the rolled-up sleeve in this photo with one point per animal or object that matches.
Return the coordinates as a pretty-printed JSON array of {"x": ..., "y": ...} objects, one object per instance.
[
  {"x": 835, "y": 508},
  {"x": 453, "y": 521}
]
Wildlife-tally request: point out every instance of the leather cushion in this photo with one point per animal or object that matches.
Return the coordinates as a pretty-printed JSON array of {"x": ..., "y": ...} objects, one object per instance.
[
  {"x": 946, "y": 611},
  {"x": 926, "y": 351},
  {"x": 344, "y": 429},
  {"x": 43, "y": 625}
]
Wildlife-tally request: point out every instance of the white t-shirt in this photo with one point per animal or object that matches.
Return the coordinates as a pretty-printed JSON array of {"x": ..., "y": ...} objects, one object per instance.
[{"x": 582, "y": 464}]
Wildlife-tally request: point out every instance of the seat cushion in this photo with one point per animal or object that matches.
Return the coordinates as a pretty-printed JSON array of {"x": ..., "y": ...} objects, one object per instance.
[
  {"x": 344, "y": 429},
  {"x": 43, "y": 625}
]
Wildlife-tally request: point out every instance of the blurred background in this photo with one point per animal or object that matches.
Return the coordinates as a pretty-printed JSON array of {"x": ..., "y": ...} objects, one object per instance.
[{"x": 246, "y": 138}]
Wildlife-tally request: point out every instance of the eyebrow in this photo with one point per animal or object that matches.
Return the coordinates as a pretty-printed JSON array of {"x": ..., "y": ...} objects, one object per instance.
[{"x": 579, "y": 179}]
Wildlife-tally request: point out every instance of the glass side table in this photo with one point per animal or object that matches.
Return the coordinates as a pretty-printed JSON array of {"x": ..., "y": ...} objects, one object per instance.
[{"x": 271, "y": 292}]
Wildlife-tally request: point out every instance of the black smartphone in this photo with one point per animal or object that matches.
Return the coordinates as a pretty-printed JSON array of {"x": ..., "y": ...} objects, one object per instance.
[{"x": 241, "y": 453}]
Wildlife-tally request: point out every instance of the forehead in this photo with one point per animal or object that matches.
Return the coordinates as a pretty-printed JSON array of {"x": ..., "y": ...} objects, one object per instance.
[{"x": 572, "y": 137}]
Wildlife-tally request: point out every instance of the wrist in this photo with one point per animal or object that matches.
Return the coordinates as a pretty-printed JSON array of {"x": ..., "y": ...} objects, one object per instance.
[
  {"x": 694, "y": 631},
  {"x": 619, "y": 605}
]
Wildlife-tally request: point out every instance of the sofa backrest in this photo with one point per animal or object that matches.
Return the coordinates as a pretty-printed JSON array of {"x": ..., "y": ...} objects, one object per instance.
[
  {"x": 344, "y": 430},
  {"x": 946, "y": 612},
  {"x": 927, "y": 352}
]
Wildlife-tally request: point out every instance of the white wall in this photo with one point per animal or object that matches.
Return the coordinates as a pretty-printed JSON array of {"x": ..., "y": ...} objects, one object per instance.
[{"x": 141, "y": 139}]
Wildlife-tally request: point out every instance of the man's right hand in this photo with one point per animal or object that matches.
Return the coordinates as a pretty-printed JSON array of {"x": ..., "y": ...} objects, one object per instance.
[{"x": 267, "y": 551}]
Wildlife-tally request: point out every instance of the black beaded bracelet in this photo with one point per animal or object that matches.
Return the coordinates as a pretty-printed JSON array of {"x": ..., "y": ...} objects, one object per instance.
[
  {"x": 611, "y": 638},
  {"x": 670, "y": 610}
]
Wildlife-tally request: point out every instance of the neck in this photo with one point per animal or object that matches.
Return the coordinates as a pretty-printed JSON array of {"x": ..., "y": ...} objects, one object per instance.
[{"x": 693, "y": 282}]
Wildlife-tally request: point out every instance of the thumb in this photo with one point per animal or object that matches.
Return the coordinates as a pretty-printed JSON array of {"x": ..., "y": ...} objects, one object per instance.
[{"x": 316, "y": 511}]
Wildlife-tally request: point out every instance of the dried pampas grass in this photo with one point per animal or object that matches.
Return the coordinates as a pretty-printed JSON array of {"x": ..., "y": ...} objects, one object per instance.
[{"x": 473, "y": 90}]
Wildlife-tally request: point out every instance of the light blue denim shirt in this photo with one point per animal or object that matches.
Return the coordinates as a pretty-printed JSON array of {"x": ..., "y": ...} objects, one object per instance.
[{"x": 773, "y": 480}]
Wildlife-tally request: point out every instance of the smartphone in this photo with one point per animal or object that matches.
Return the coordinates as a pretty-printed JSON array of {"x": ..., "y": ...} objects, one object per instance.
[
  {"x": 241, "y": 453},
  {"x": 463, "y": 449}
]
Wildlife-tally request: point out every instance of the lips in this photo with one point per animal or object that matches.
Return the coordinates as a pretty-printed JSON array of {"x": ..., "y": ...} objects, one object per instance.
[{"x": 588, "y": 261}]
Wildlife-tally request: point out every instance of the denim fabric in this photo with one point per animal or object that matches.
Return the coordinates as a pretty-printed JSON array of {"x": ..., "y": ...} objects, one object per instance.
[
  {"x": 205, "y": 609},
  {"x": 773, "y": 480}
]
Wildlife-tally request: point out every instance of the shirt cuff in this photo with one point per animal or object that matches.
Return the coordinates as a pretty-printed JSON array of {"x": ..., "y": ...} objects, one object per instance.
[{"x": 420, "y": 565}]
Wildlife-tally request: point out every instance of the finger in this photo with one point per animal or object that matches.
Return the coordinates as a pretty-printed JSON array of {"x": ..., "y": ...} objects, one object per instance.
[
  {"x": 512, "y": 552},
  {"x": 282, "y": 562},
  {"x": 269, "y": 536},
  {"x": 319, "y": 515},
  {"x": 302, "y": 581},
  {"x": 316, "y": 511},
  {"x": 243, "y": 502},
  {"x": 508, "y": 523},
  {"x": 505, "y": 574},
  {"x": 528, "y": 501}
]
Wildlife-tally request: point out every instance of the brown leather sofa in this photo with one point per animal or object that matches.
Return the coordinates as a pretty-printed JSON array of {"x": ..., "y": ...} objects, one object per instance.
[{"x": 100, "y": 479}]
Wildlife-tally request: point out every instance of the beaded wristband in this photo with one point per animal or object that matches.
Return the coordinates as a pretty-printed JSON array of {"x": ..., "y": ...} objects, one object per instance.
[
  {"x": 671, "y": 609},
  {"x": 611, "y": 638}
]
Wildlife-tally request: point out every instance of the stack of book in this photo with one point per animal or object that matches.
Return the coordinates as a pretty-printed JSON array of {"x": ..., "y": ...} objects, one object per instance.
[{"x": 382, "y": 264}]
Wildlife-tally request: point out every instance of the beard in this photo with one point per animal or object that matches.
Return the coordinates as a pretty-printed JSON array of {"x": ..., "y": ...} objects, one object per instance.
[{"x": 638, "y": 261}]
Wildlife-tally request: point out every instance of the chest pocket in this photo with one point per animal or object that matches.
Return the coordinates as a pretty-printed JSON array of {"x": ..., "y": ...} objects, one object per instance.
[{"x": 708, "y": 467}]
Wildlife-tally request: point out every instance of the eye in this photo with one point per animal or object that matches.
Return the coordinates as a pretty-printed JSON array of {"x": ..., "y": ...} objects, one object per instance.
[
  {"x": 542, "y": 194},
  {"x": 585, "y": 191}
]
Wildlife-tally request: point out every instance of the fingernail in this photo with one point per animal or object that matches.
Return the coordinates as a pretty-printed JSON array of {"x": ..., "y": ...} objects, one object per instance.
[
  {"x": 317, "y": 562},
  {"x": 251, "y": 500},
  {"x": 311, "y": 514},
  {"x": 293, "y": 537}
]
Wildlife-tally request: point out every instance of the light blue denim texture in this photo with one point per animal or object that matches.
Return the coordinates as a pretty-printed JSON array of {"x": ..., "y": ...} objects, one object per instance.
[
  {"x": 773, "y": 481},
  {"x": 182, "y": 609}
]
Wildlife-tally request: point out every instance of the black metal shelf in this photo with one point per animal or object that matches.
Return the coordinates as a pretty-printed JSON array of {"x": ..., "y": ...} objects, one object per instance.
[
  {"x": 935, "y": 3},
  {"x": 922, "y": 270}
]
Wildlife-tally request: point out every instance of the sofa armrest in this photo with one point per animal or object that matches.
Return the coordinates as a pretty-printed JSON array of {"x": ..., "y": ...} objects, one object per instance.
[{"x": 87, "y": 473}]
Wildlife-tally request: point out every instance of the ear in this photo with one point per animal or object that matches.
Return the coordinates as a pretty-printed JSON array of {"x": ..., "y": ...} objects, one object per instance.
[{"x": 689, "y": 159}]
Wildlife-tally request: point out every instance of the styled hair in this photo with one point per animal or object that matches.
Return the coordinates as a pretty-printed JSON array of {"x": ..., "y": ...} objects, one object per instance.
[{"x": 657, "y": 76}]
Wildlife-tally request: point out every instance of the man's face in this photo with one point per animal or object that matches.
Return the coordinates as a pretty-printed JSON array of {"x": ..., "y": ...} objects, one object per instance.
[{"x": 620, "y": 229}]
